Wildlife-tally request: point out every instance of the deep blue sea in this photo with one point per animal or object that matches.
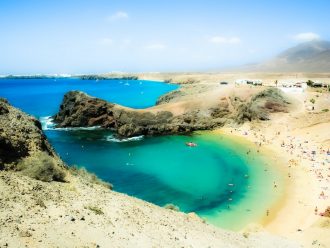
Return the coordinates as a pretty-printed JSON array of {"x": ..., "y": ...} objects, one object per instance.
[
  {"x": 42, "y": 97},
  {"x": 216, "y": 179}
]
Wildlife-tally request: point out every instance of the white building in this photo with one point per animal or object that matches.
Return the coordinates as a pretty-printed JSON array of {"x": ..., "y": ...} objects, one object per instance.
[{"x": 248, "y": 81}]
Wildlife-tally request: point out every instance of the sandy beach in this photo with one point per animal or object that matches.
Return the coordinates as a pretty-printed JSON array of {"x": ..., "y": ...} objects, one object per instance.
[{"x": 308, "y": 175}]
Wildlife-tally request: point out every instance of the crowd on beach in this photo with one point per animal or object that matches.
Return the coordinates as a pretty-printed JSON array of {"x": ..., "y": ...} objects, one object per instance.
[{"x": 300, "y": 151}]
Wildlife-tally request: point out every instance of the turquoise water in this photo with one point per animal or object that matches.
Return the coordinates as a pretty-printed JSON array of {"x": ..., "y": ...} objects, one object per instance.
[
  {"x": 216, "y": 179},
  {"x": 42, "y": 97},
  {"x": 160, "y": 170}
]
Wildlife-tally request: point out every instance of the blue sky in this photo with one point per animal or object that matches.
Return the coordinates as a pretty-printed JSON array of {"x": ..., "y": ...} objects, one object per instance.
[{"x": 95, "y": 36}]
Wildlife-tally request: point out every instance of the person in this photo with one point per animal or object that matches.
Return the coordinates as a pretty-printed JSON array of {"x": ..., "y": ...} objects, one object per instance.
[
  {"x": 267, "y": 212},
  {"x": 316, "y": 210}
]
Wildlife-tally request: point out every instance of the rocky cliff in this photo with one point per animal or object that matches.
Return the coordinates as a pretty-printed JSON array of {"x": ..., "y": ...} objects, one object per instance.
[
  {"x": 23, "y": 145},
  {"x": 80, "y": 110}
]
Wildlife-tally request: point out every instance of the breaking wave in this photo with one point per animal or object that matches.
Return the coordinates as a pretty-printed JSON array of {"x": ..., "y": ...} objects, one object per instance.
[
  {"x": 47, "y": 123},
  {"x": 111, "y": 138}
]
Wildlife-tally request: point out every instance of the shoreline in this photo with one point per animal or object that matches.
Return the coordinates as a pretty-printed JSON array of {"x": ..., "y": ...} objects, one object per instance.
[
  {"x": 275, "y": 164},
  {"x": 295, "y": 213},
  {"x": 261, "y": 153}
]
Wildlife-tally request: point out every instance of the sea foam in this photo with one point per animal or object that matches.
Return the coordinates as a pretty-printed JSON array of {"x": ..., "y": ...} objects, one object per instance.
[
  {"x": 47, "y": 123},
  {"x": 111, "y": 138}
]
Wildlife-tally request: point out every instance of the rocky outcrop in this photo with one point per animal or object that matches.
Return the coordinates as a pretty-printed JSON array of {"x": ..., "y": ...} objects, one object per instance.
[
  {"x": 261, "y": 105},
  {"x": 80, "y": 110},
  {"x": 23, "y": 145},
  {"x": 108, "y": 77},
  {"x": 170, "y": 96},
  {"x": 20, "y": 135}
]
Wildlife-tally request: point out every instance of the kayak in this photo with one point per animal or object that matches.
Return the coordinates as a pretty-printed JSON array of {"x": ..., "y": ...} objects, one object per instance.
[{"x": 191, "y": 144}]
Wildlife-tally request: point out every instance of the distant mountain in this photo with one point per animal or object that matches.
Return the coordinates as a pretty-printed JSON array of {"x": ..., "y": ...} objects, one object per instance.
[{"x": 313, "y": 56}]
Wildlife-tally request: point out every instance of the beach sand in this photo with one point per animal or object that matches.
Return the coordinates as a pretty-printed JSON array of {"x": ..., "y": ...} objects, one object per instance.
[
  {"x": 260, "y": 194},
  {"x": 308, "y": 175},
  {"x": 82, "y": 214}
]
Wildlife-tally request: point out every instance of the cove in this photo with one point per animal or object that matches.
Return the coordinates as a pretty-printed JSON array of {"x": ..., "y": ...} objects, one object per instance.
[{"x": 216, "y": 179}]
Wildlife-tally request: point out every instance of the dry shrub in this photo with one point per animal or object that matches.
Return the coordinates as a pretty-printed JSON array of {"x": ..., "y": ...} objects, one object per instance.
[
  {"x": 42, "y": 167},
  {"x": 95, "y": 209},
  {"x": 172, "y": 207},
  {"x": 89, "y": 177},
  {"x": 275, "y": 106}
]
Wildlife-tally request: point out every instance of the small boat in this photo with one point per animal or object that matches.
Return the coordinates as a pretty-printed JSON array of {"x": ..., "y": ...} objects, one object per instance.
[{"x": 191, "y": 144}]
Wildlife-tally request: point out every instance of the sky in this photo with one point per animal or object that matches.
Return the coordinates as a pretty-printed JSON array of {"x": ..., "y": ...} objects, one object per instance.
[{"x": 98, "y": 36}]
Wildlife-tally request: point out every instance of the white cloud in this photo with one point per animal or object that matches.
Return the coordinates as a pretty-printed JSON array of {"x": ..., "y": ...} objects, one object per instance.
[
  {"x": 120, "y": 15},
  {"x": 106, "y": 41},
  {"x": 127, "y": 42},
  {"x": 306, "y": 36},
  {"x": 224, "y": 40},
  {"x": 156, "y": 46}
]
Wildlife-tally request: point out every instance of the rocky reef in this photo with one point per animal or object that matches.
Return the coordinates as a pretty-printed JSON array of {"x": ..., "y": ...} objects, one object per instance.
[{"x": 81, "y": 110}]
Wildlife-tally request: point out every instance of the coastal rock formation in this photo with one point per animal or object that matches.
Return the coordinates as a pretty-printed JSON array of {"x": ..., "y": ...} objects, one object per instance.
[
  {"x": 261, "y": 105},
  {"x": 80, "y": 110},
  {"x": 23, "y": 143},
  {"x": 20, "y": 135},
  {"x": 108, "y": 77},
  {"x": 170, "y": 96}
]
